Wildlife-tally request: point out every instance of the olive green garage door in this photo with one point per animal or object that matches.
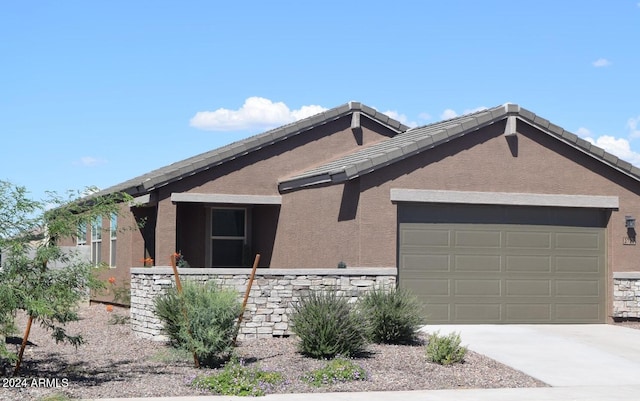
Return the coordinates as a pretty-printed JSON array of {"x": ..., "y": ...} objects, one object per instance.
[{"x": 504, "y": 264}]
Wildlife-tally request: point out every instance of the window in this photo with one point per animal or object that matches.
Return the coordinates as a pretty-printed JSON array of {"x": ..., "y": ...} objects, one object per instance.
[
  {"x": 228, "y": 237},
  {"x": 96, "y": 241},
  {"x": 113, "y": 229},
  {"x": 82, "y": 234}
]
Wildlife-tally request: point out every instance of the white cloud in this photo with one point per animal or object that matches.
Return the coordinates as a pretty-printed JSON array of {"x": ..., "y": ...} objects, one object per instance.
[
  {"x": 632, "y": 124},
  {"x": 400, "y": 117},
  {"x": 255, "y": 113},
  {"x": 601, "y": 62},
  {"x": 583, "y": 132},
  {"x": 450, "y": 113},
  {"x": 617, "y": 146},
  {"x": 89, "y": 161},
  {"x": 424, "y": 116}
]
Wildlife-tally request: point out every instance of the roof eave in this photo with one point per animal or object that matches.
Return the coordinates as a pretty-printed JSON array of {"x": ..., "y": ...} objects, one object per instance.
[
  {"x": 580, "y": 144},
  {"x": 243, "y": 147}
]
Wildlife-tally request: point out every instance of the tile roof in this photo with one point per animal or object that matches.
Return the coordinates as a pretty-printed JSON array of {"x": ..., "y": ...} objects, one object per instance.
[
  {"x": 423, "y": 138},
  {"x": 193, "y": 165},
  {"x": 407, "y": 142}
]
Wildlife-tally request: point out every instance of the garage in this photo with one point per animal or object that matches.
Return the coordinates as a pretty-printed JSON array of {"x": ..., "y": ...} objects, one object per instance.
[{"x": 471, "y": 263}]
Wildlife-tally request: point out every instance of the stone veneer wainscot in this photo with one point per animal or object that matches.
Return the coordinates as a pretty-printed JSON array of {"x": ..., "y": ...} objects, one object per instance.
[
  {"x": 269, "y": 303},
  {"x": 626, "y": 295}
]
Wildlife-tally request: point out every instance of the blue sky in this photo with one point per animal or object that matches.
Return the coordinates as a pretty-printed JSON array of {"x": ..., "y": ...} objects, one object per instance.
[{"x": 94, "y": 93}]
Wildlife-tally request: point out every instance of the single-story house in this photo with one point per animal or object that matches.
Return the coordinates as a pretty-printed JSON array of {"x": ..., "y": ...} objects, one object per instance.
[{"x": 498, "y": 216}]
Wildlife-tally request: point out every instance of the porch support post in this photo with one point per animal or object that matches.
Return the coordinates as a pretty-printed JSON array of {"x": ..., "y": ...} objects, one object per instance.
[{"x": 165, "y": 231}]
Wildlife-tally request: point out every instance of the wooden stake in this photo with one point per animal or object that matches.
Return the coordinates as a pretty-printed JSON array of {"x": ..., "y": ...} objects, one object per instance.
[
  {"x": 184, "y": 310},
  {"x": 25, "y": 340},
  {"x": 246, "y": 297}
]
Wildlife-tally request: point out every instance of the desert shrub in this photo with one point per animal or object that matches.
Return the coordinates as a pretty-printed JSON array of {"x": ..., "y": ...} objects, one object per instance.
[
  {"x": 445, "y": 350},
  {"x": 337, "y": 370},
  {"x": 239, "y": 380},
  {"x": 172, "y": 355},
  {"x": 394, "y": 316},
  {"x": 328, "y": 326},
  {"x": 201, "y": 319}
]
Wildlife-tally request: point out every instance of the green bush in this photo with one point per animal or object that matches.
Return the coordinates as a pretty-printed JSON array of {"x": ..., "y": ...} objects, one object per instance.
[
  {"x": 328, "y": 326},
  {"x": 394, "y": 316},
  {"x": 201, "y": 319},
  {"x": 338, "y": 370},
  {"x": 445, "y": 350},
  {"x": 239, "y": 380}
]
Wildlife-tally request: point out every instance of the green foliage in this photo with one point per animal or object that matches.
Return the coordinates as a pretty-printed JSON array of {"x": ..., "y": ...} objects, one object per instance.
[
  {"x": 239, "y": 380},
  {"x": 337, "y": 370},
  {"x": 328, "y": 326},
  {"x": 172, "y": 355},
  {"x": 201, "y": 319},
  {"x": 37, "y": 276},
  {"x": 119, "y": 292},
  {"x": 394, "y": 316},
  {"x": 445, "y": 350}
]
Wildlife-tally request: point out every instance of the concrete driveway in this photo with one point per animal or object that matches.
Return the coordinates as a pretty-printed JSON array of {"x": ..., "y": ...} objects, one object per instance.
[{"x": 559, "y": 355}]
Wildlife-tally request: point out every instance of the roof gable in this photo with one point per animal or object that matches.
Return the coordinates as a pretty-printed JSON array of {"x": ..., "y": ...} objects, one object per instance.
[
  {"x": 193, "y": 165},
  {"x": 420, "y": 139}
]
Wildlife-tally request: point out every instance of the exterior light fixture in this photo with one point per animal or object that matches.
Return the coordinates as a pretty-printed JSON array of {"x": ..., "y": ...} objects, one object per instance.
[{"x": 629, "y": 222}]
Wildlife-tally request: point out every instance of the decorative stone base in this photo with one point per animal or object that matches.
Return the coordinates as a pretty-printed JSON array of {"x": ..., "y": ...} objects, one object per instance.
[
  {"x": 270, "y": 299},
  {"x": 626, "y": 295}
]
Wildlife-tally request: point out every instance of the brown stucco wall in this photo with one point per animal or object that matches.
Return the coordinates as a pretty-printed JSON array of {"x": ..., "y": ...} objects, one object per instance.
[
  {"x": 355, "y": 222},
  {"x": 482, "y": 161},
  {"x": 258, "y": 174}
]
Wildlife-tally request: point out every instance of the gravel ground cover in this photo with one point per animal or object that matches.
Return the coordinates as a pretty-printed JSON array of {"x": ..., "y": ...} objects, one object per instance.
[{"x": 114, "y": 363}]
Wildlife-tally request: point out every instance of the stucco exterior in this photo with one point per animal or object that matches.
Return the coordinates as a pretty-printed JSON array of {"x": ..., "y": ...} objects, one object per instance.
[{"x": 354, "y": 220}]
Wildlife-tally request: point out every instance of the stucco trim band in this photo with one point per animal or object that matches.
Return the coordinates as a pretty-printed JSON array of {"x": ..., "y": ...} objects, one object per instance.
[
  {"x": 504, "y": 198},
  {"x": 626, "y": 275},
  {"x": 356, "y": 271},
  {"x": 226, "y": 198}
]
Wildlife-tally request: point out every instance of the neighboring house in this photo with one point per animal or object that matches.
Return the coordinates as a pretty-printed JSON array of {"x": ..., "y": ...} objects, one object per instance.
[{"x": 497, "y": 216}]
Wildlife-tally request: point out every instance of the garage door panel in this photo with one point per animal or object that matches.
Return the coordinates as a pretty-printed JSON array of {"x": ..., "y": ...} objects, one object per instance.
[
  {"x": 528, "y": 313},
  {"x": 528, "y": 240},
  {"x": 578, "y": 288},
  {"x": 477, "y": 288},
  {"x": 578, "y": 241},
  {"x": 433, "y": 263},
  {"x": 437, "y": 312},
  {"x": 477, "y": 263},
  {"x": 579, "y": 313},
  {"x": 419, "y": 238},
  {"x": 505, "y": 266},
  {"x": 528, "y": 263},
  {"x": 528, "y": 288},
  {"x": 434, "y": 287},
  {"x": 478, "y": 239},
  {"x": 579, "y": 264},
  {"x": 477, "y": 312}
]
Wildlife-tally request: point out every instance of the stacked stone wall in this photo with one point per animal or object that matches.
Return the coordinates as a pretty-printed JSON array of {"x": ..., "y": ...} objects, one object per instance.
[
  {"x": 270, "y": 300},
  {"x": 626, "y": 295}
]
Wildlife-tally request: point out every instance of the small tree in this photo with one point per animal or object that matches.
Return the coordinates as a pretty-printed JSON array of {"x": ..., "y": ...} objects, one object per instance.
[{"x": 29, "y": 241}]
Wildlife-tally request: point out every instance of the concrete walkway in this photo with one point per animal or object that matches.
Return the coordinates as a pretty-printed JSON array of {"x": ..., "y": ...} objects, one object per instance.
[{"x": 580, "y": 362}]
